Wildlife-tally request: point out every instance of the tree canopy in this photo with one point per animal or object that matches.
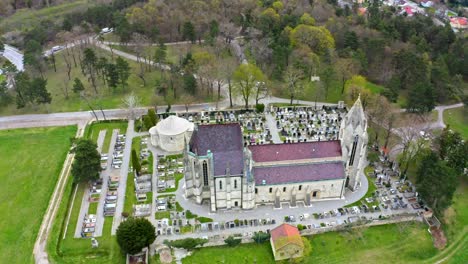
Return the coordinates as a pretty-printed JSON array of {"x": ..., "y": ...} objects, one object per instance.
[
  {"x": 87, "y": 163},
  {"x": 134, "y": 234}
]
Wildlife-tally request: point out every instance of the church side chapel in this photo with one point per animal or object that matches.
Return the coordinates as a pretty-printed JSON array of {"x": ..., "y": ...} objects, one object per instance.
[{"x": 225, "y": 173}]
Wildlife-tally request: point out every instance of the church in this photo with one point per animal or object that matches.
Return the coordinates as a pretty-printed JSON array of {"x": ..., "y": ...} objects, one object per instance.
[{"x": 222, "y": 172}]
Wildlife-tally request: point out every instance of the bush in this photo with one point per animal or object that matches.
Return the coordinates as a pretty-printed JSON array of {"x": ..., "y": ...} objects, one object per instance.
[
  {"x": 322, "y": 224},
  {"x": 190, "y": 215},
  {"x": 232, "y": 242},
  {"x": 202, "y": 219},
  {"x": 260, "y": 108},
  {"x": 301, "y": 227},
  {"x": 187, "y": 243},
  {"x": 261, "y": 237},
  {"x": 134, "y": 234},
  {"x": 125, "y": 214}
]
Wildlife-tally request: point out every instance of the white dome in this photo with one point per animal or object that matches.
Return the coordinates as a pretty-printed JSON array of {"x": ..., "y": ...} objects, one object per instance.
[{"x": 172, "y": 125}]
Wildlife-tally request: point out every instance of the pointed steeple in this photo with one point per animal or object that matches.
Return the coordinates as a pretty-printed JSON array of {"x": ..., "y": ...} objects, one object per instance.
[{"x": 356, "y": 115}]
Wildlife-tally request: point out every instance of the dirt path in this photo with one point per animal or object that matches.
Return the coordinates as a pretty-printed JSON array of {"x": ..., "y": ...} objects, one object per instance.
[{"x": 39, "y": 251}]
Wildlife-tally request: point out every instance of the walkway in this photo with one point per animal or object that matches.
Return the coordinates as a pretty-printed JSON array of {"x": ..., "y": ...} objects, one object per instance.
[
  {"x": 123, "y": 176},
  {"x": 105, "y": 177},
  {"x": 268, "y": 211},
  {"x": 100, "y": 140},
  {"x": 271, "y": 123}
]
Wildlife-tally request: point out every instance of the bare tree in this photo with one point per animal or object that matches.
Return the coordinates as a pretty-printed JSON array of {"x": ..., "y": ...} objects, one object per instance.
[
  {"x": 293, "y": 78},
  {"x": 131, "y": 102},
  {"x": 187, "y": 100}
]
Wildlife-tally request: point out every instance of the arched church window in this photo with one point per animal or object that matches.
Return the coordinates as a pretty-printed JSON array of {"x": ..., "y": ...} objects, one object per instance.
[
  {"x": 220, "y": 185},
  {"x": 300, "y": 187},
  {"x": 235, "y": 184},
  {"x": 353, "y": 150},
  {"x": 205, "y": 173}
]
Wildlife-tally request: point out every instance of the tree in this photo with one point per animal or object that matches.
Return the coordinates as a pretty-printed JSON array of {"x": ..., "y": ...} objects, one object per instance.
[
  {"x": 319, "y": 39},
  {"x": 123, "y": 70},
  {"x": 89, "y": 66},
  {"x": 2, "y": 46},
  {"x": 293, "y": 78},
  {"x": 39, "y": 90},
  {"x": 188, "y": 32},
  {"x": 190, "y": 84},
  {"x": 78, "y": 86},
  {"x": 153, "y": 117},
  {"x": 232, "y": 242},
  {"x": 131, "y": 102},
  {"x": 5, "y": 97},
  {"x": 421, "y": 98},
  {"x": 136, "y": 162},
  {"x": 160, "y": 55},
  {"x": 453, "y": 149},
  {"x": 134, "y": 234},
  {"x": 87, "y": 163},
  {"x": 30, "y": 91},
  {"x": 247, "y": 77},
  {"x": 328, "y": 75},
  {"x": 260, "y": 237},
  {"x": 112, "y": 76},
  {"x": 436, "y": 182},
  {"x": 214, "y": 32}
]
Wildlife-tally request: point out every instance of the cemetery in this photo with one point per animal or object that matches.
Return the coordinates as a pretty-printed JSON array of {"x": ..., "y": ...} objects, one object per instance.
[{"x": 169, "y": 172}]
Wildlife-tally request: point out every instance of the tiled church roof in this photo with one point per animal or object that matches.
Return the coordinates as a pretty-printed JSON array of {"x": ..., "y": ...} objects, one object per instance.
[
  {"x": 225, "y": 142},
  {"x": 296, "y": 151},
  {"x": 298, "y": 173}
]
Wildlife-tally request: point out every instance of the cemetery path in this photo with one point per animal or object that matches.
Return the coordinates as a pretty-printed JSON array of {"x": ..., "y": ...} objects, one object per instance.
[
  {"x": 83, "y": 212},
  {"x": 100, "y": 140},
  {"x": 130, "y": 134},
  {"x": 105, "y": 177},
  {"x": 271, "y": 122}
]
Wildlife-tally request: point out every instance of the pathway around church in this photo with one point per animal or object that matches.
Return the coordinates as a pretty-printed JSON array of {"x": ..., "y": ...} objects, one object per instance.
[
  {"x": 271, "y": 123},
  {"x": 123, "y": 176},
  {"x": 268, "y": 211},
  {"x": 100, "y": 140}
]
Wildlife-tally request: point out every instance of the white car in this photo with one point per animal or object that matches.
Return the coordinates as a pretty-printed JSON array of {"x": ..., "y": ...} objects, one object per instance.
[
  {"x": 56, "y": 48},
  {"x": 107, "y": 30}
]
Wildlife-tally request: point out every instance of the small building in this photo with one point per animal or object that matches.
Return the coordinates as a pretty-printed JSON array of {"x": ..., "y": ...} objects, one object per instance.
[
  {"x": 286, "y": 242},
  {"x": 171, "y": 133},
  {"x": 458, "y": 22}
]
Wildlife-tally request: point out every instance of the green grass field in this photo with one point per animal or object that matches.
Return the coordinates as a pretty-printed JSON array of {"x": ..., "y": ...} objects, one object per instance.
[
  {"x": 26, "y": 18},
  {"x": 458, "y": 120},
  {"x": 380, "y": 244},
  {"x": 29, "y": 168},
  {"x": 57, "y": 81}
]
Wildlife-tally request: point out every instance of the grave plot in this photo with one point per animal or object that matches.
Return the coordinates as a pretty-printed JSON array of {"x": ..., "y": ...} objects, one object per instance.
[
  {"x": 170, "y": 172},
  {"x": 139, "y": 182},
  {"x": 254, "y": 128},
  {"x": 304, "y": 124}
]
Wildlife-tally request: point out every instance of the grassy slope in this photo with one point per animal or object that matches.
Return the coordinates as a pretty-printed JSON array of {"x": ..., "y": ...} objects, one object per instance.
[
  {"x": 381, "y": 244},
  {"x": 56, "y": 83},
  {"x": 28, "y": 176},
  {"x": 92, "y": 132},
  {"x": 458, "y": 120},
  {"x": 26, "y": 18}
]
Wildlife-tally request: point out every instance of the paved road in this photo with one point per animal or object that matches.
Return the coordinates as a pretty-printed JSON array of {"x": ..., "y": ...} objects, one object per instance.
[
  {"x": 440, "y": 109},
  {"x": 123, "y": 176},
  {"x": 105, "y": 177},
  {"x": 14, "y": 56}
]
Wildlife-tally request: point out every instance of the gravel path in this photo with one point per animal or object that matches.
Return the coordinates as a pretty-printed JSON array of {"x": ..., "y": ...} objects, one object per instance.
[
  {"x": 271, "y": 122},
  {"x": 105, "y": 176},
  {"x": 100, "y": 140},
  {"x": 123, "y": 176}
]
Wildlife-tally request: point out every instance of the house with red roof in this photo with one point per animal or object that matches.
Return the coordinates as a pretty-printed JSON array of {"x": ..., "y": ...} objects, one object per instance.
[
  {"x": 459, "y": 22},
  {"x": 286, "y": 242},
  {"x": 224, "y": 173}
]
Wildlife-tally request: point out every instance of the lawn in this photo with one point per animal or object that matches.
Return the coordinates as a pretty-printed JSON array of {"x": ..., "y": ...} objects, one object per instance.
[
  {"x": 31, "y": 163},
  {"x": 92, "y": 131},
  {"x": 380, "y": 244},
  {"x": 457, "y": 119},
  {"x": 370, "y": 190},
  {"x": 26, "y": 18},
  {"x": 57, "y": 81}
]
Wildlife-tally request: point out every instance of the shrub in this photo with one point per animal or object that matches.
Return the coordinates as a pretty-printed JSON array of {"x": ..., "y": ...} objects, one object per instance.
[
  {"x": 322, "y": 224},
  {"x": 301, "y": 227},
  {"x": 189, "y": 214},
  {"x": 125, "y": 214},
  {"x": 261, "y": 237},
  {"x": 134, "y": 234},
  {"x": 260, "y": 108},
  {"x": 202, "y": 219},
  {"x": 232, "y": 242},
  {"x": 187, "y": 243}
]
